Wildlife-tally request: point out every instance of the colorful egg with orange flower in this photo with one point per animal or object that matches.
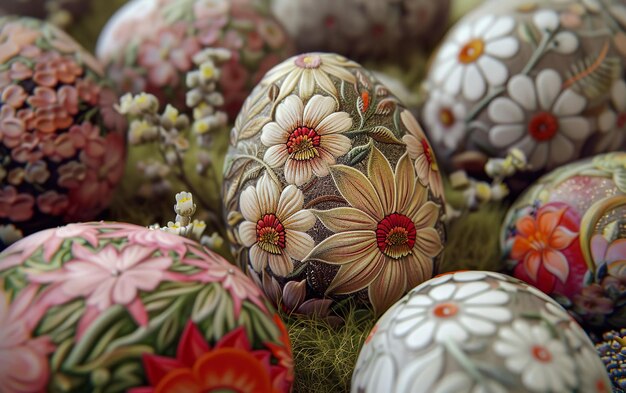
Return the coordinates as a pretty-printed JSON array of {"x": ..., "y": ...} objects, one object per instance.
[
  {"x": 364, "y": 29},
  {"x": 105, "y": 306},
  {"x": 62, "y": 144},
  {"x": 545, "y": 77},
  {"x": 149, "y": 45},
  {"x": 478, "y": 331},
  {"x": 566, "y": 235},
  {"x": 331, "y": 190}
]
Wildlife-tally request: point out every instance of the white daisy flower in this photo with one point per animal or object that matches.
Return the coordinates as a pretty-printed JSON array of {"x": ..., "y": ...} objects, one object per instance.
[
  {"x": 445, "y": 119},
  {"x": 543, "y": 361},
  {"x": 540, "y": 119},
  {"x": 451, "y": 312},
  {"x": 470, "y": 61},
  {"x": 612, "y": 121},
  {"x": 275, "y": 226},
  {"x": 306, "y": 139},
  {"x": 563, "y": 42}
]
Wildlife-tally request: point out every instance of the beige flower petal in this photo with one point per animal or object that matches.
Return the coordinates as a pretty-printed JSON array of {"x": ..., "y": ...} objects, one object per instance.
[
  {"x": 405, "y": 183},
  {"x": 289, "y": 84},
  {"x": 426, "y": 216},
  {"x": 258, "y": 258},
  {"x": 298, "y": 172},
  {"x": 267, "y": 194},
  {"x": 356, "y": 276},
  {"x": 307, "y": 85},
  {"x": 357, "y": 190},
  {"x": 413, "y": 146},
  {"x": 300, "y": 221},
  {"x": 335, "y": 144},
  {"x": 345, "y": 248},
  {"x": 428, "y": 242},
  {"x": 388, "y": 286},
  {"x": 381, "y": 176},
  {"x": 418, "y": 199},
  {"x": 280, "y": 264},
  {"x": 337, "y": 70},
  {"x": 324, "y": 82},
  {"x": 411, "y": 124},
  {"x": 319, "y": 165},
  {"x": 418, "y": 269},
  {"x": 334, "y": 123},
  {"x": 290, "y": 202},
  {"x": 344, "y": 219},
  {"x": 289, "y": 113},
  {"x": 249, "y": 204},
  {"x": 298, "y": 244},
  {"x": 247, "y": 233},
  {"x": 436, "y": 183},
  {"x": 276, "y": 156},
  {"x": 273, "y": 134},
  {"x": 317, "y": 109}
]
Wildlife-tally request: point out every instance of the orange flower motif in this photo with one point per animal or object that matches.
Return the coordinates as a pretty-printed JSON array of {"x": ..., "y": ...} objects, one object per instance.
[
  {"x": 13, "y": 38},
  {"x": 539, "y": 241}
]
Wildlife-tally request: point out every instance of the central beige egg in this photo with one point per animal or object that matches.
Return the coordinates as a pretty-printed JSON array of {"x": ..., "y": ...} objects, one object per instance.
[{"x": 331, "y": 189}]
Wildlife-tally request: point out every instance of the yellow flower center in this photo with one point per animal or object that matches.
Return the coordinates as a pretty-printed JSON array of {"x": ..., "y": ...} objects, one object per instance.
[
  {"x": 471, "y": 51},
  {"x": 270, "y": 234},
  {"x": 395, "y": 235},
  {"x": 303, "y": 143}
]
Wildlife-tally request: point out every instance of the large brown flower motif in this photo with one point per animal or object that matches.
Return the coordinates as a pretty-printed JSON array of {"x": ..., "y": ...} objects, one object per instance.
[{"x": 386, "y": 240}]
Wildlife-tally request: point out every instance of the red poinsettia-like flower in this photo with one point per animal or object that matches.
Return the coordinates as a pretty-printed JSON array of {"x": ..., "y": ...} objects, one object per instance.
[{"x": 232, "y": 365}]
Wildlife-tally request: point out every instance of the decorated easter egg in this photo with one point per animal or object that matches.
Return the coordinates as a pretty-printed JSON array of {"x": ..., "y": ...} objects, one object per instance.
[
  {"x": 363, "y": 29},
  {"x": 149, "y": 46},
  {"x": 566, "y": 235},
  {"x": 478, "y": 332},
  {"x": 105, "y": 306},
  {"x": 62, "y": 145},
  {"x": 331, "y": 189},
  {"x": 546, "y": 77}
]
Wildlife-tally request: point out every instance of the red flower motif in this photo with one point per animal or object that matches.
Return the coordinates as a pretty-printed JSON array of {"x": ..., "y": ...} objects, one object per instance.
[{"x": 232, "y": 365}]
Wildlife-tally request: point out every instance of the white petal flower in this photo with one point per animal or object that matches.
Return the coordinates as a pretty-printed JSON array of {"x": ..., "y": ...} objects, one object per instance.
[
  {"x": 275, "y": 226},
  {"x": 542, "y": 361},
  {"x": 612, "y": 121},
  {"x": 541, "y": 119},
  {"x": 306, "y": 139},
  {"x": 445, "y": 120},
  {"x": 564, "y": 42},
  {"x": 471, "y": 61}
]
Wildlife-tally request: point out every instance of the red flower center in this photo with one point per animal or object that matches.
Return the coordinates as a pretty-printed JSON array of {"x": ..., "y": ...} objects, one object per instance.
[
  {"x": 445, "y": 310},
  {"x": 601, "y": 387},
  {"x": 543, "y": 126},
  {"x": 541, "y": 354},
  {"x": 270, "y": 234},
  {"x": 621, "y": 120},
  {"x": 471, "y": 51},
  {"x": 428, "y": 153},
  {"x": 395, "y": 235},
  {"x": 303, "y": 143},
  {"x": 446, "y": 117}
]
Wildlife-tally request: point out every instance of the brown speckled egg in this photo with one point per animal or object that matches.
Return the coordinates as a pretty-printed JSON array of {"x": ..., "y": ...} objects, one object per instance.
[
  {"x": 149, "y": 46},
  {"x": 331, "y": 190},
  {"x": 566, "y": 235},
  {"x": 62, "y": 148},
  {"x": 363, "y": 29},
  {"x": 546, "y": 77}
]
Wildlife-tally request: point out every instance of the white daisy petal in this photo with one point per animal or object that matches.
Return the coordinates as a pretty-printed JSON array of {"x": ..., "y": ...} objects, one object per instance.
[
  {"x": 565, "y": 43},
  {"x": 505, "y": 135},
  {"x": 444, "y": 68},
  {"x": 276, "y": 156},
  {"x": 576, "y": 128},
  {"x": 474, "y": 85},
  {"x": 247, "y": 233},
  {"x": 488, "y": 298},
  {"x": 561, "y": 150},
  {"x": 450, "y": 331},
  {"x": 421, "y": 336},
  {"x": 502, "y": 26},
  {"x": 477, "y": 326},
  {"x": 502, "y": 48},
  {"x": 539, "y": 156},
  {"x": 548, "y": 87},
  {"x": 546, "y": 19},
  {"x": 495, "y": 72},
  {"x": 442, "y": 292},
  {"x": 249, "y": 204},
  {"x": 522, "y": 90},
  {"x": 462, "y": 34},
  {"x": 273, "y": 134},
  {"x": 505, "y": 110},
  {"x": 482, "y": 25},
  {"x": 334, "y": 123},
  {"x": 317, "y": 109},
  {"x": 454, "y": 80},
  {"x": 470, "y": 289},
  {"x": 569, "y": 103},
  {"x": 492, "y": 313},
  {"x": 289, "y": 113}
]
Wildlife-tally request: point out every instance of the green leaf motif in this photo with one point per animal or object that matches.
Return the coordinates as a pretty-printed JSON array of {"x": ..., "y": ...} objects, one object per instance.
[
  {"x": 357, "y": 154},
  {"x": 384, "y": 135}
]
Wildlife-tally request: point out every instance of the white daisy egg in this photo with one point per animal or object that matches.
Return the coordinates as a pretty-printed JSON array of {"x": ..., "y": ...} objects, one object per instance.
[
  {"x": 478, "y": 332},
  {"x": 544, "y": 77},
  {"x": 331, "y": 189}
]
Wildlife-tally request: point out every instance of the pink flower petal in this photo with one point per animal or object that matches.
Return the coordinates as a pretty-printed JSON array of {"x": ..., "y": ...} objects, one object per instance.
[
  {"x": 531, "y": 264},
  {"x": 556, "y": 263}
]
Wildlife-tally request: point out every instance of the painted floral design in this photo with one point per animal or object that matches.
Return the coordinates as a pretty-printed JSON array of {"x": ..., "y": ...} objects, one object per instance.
[
  {"x": 52, "y": 120},
  {"x": 612, "y": 254},
  {"x": 612, "y": 121},
  {"x": 389, "y": 220},
  {"x": 452, "y": 311},
  {"x": 472, "y": 60},
  {"x": 540, "y": 118},
  {"x": 142, "y": 299},
  {"x": 231, "y": 364},
  {"x": 306, "y": 139},
  {"x": 308, "y": 71},
  {"x": 445, "y": 120},
  {"x": 275, "y": 226},
  {"x": 420, "y": 150},
  {"x": 540, "y": 358}
]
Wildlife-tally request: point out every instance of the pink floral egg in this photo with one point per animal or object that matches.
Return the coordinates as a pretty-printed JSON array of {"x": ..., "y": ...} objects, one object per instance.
[
  {"x": 478, "y": 331},
  {"x": 364, "y": 29},
  {"x": 567, "y": 236},
  {"x": 149, "y": 46},
  {"x": 116, "y": 307},
  {"x": 62, "y": 147},
  {"x": 545, "y": 77},
  {"x": 331, "y": 189}
]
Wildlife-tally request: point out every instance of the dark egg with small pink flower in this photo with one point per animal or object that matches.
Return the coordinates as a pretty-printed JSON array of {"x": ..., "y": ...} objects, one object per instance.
[
  {"x": 106, "y": 306},
  {"x": 567, "y": 236},
  {"x": 62, "y": 145}
]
